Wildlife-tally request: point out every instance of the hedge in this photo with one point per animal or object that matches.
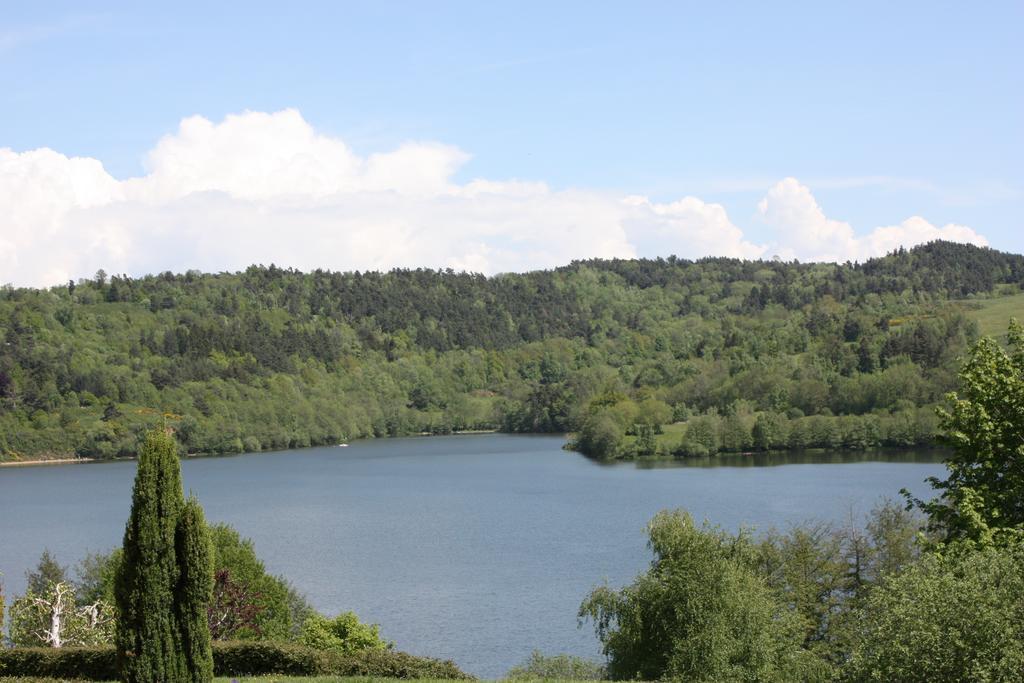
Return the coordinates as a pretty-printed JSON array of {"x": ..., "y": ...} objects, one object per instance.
[
  {"x": 93, "y": 663},
  {"x": 244, "y": 658}
]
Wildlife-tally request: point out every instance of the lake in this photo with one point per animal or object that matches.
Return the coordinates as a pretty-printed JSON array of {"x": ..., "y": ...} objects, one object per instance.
[{"x": 477, "y": 548}]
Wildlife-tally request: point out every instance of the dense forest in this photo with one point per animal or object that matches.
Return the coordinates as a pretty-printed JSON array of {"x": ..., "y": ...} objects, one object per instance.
[{"x": 637, "y": 357}]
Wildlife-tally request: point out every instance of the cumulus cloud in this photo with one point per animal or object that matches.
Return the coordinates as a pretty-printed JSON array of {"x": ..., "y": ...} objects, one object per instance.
[
  {"x": 792, "y": 210},
  {"x": 267, "y": 187}
]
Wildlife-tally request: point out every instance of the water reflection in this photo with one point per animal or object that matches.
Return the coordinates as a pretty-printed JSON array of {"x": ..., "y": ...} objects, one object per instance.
[{"x": 776, "y": 458}]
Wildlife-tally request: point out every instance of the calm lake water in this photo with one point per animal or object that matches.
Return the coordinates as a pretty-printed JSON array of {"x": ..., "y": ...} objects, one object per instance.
[{"x": 475, "y": 548}]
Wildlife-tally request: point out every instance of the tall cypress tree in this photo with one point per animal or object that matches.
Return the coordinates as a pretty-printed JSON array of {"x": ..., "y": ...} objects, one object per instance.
[
  {"x": 194, "y": 591},
  {"x": 148, "y": 633}
]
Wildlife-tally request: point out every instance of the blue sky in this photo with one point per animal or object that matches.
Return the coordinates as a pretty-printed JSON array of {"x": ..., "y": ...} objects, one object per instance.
[{"x": 883, "y": 111}]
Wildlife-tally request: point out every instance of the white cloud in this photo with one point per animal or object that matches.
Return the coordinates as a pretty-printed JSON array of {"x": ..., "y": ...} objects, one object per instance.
[
  {"x": 261, "y": 188},
  {"x": 810, "y": 235}
]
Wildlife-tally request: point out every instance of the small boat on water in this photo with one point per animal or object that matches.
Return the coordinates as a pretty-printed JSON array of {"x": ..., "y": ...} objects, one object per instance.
[{"x": 342, "y": 445}]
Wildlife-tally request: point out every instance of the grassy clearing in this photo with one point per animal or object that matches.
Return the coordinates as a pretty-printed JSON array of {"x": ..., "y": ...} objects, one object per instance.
[{"x": 993, "y": 315}]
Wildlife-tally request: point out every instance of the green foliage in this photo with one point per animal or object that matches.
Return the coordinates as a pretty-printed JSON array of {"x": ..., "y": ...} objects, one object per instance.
[
  {"x": 390, "y": 664},
  {"x": 53, "y": 618},
  {"x": 98, "y": 663},
  {"x": 96, "y": 574},
  {"x": 148, "y": 633},
  {"x": 807, "y": 569},
  {"x": 601, "y": 435},
  {"x": 47, "y": 572},
  {"x": 277, "y": 610},
  {"x": 271, "y": 358},
  {"x": 344, "y": 633},
  {"x": 249, "y": 658},
  {"x": 701, "y": 436},
  {"x": 235, "y": 659},
  {"x": 770, "y": 432},
  {"x": 194, "y": 552},
  {"x": 164, "y": 580},
  {"x": 985, "y": 428},
  {"x": 557, "y": 667},
  {"x": 822, "y": 572},
  {"x": 699, "y": 613},
  {"x": 954, "y": 617}
]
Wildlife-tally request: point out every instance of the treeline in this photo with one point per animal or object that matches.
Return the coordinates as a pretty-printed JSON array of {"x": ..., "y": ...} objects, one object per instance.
[
  {"x": 273, "y": 358},
  {"x": 618, "y": 433}
]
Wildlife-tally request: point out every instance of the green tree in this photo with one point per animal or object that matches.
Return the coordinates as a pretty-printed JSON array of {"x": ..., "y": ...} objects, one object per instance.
[
  {"x": 148, "y": 633},
  {"x": 164, "y": 580},
  {"x": 952, "y": 617},
  {"x": 699, "y": 613},
  {"x": 806, "y": 568},
  {"x": 734, "y": 434},
  {"x": 770, "y": 431},
  {"x": 601, "y": 436},
  {"x": 195, "y": 587},
  {"x": 984, "y": 426},
  {"x": 344, "y": 633},
  {"x": 646, "y": 443},
  {"x": 96, "y": 575},
  {"x": 273, "y": 608},
  {"x": 47, "y": 572},
  {"x": 701, "y": 436}
]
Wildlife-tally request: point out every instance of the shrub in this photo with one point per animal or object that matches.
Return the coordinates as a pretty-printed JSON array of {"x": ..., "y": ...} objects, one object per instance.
[
  {"x": 94, "y": 663},
  {"x": 390, "y": 664},
  {"x": 254, "y": 658},
  {"x": 344, "y": 633},
  {"x": 560, "y": 667},
  {"x": 239, "y": 658},
  {"x": 944, "y": 618}
]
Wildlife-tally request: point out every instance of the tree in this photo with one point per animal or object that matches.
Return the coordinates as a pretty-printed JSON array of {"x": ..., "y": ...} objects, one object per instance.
[
  {"x": 47, "y": 572},
  {"x": 248, "y": 602},
  {"x": 52, "y": 618},
  {"x": 646, "y": 443},
  {"x": 195, "y": 555},
  {"x": 96, "y": 575},
  {"x": 769, "y": 431},
  {"x": 984, "y": 426},
  {"x": 164, "y": 580},
  {"x": 234, "y": 609},
  {"x": 601, "y": 436},
  {"x": 807, "y": 570},
  {"x": 699, "y": 613},
  {"x": 148, "y": 635},
  {"x": 952, "y": 617},
  {"x": 701, "y": 436}
]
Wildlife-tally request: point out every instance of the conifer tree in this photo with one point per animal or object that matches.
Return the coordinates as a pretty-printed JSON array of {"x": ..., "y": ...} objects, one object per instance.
[
  {"x": 195, "y": 589},
  {"x": 148, "y": 632}
]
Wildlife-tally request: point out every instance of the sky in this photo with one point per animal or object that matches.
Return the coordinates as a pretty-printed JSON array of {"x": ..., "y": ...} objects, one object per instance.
[{"x": 498, "y": 137}]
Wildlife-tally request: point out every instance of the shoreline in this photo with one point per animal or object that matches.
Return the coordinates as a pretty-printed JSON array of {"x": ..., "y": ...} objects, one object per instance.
[
  {"x": 49, "y": 461},
  {"x": 86, "y": 460}
]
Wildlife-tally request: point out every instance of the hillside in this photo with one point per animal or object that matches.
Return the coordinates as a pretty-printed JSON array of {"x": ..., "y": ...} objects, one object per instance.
[{"x": 749, "y": 353}]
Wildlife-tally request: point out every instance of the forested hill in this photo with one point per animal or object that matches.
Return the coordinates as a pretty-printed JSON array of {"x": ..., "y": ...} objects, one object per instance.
[{"x": 638, "y": 356}]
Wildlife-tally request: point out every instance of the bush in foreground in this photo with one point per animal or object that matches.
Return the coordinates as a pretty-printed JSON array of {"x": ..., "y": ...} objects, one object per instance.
[
  {"x": 557, "y": 667},
  {"x": 958, "y": 616},
  {"x": 246, "y": 658}
]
